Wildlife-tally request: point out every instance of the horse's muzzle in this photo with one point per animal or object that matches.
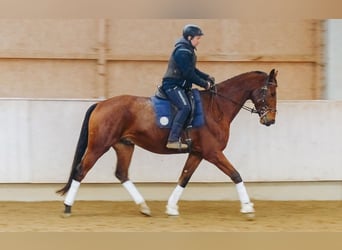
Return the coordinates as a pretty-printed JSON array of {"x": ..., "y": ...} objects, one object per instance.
[
  {"x": 268, "y": 123},
  {"x": 267, "y": 118}
]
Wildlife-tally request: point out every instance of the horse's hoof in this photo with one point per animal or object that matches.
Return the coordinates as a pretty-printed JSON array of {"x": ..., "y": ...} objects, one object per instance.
[
  {"x": 67, "y": 211},
  {"x": 248, "y": 210},
  {"x": 65, "y": 215},
  {"x": 172, "y": 210},
  {"x": 145, "y": 210},
  {"x": 250, "y": 216}
]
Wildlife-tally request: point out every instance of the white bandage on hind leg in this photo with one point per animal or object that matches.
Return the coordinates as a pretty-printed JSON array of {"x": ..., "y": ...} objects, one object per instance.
[
  {"x": 175, "y": 196},
  {"x": 70, "y": 198},
  {"x": 242, "y": 192},
  {"x": 133, "y": 191}
]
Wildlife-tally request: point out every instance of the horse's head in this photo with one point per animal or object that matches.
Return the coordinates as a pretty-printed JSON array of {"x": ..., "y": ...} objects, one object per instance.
[{"x": 265, "y": 99}]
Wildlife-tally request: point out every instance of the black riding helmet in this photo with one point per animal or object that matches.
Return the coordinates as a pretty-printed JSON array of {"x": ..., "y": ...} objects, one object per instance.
[{"x": 192, "y": 30}]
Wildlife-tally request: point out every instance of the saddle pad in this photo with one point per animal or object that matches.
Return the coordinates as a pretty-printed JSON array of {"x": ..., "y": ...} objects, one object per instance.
[{"x": 165, "y": 112}]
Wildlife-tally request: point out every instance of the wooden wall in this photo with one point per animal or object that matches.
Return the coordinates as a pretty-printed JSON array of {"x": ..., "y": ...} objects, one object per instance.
[{"x": 99, "y": 58}]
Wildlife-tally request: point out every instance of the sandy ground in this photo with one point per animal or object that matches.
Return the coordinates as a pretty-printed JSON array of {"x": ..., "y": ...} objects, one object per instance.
[{"x": 195, "y": 216}]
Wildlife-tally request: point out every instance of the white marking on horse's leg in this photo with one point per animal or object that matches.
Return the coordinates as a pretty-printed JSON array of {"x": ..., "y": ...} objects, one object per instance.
[
  {"x": 172, "y": 207},
  {"x": 71, "y": 195},
  {"x": 137, "y": 197},
  {"x": 247, "y": 206}
]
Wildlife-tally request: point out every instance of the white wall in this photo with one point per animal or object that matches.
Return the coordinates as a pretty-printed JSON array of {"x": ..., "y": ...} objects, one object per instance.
[
  {"x": 38, "y": 139},
  {"x": 333, "y": 59}
]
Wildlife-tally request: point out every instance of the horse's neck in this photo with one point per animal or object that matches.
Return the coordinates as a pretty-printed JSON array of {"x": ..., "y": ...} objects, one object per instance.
[{"x": 235, "y": 96}]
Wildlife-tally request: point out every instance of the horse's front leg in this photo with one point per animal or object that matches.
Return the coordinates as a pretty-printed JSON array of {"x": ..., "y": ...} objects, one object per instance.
[
  {"x": 189, "y": 168},
  {"x": 218, "y": 159}
]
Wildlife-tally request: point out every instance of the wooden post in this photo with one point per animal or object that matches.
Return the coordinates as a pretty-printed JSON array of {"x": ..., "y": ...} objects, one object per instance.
[
  {"x": 102, "y": 59},
  {"x": 318, "y": 91}
]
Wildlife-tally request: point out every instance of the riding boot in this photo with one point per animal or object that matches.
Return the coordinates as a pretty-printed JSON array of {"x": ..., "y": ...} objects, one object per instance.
[{"x": 174, "y": 141}]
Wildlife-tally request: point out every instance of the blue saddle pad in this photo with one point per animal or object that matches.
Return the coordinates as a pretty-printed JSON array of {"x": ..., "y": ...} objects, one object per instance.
[{"x": 165, "y": 111}]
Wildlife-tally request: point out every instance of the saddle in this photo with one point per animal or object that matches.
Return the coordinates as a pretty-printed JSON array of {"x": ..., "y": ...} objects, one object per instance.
[{"x": 165, "y": 111}]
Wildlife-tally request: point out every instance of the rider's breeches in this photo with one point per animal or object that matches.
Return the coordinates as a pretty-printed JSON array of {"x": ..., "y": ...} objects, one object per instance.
[{"x": 178, "y": 98}]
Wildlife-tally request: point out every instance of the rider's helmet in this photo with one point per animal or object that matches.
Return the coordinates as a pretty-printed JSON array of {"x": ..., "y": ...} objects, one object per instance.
[{"x": 192, "y": 30}]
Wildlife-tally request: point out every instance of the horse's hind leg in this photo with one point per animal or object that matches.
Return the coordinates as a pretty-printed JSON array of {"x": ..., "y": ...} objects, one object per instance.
[
  {"x": 124, "y": 152},
  {"x": 88, "y": 161}
]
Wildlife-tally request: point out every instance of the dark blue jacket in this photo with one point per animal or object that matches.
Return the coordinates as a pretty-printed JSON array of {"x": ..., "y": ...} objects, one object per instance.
[{"x": 182, "y": 69}]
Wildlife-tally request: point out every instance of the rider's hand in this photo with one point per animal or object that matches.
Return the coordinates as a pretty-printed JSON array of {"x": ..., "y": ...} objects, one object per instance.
[
  {"x": 209, "y": 85},
  {"x": 211, "y": 79}
]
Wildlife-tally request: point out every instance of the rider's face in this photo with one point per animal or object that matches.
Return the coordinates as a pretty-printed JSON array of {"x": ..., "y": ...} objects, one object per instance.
[{"x": 195, "y": 41}]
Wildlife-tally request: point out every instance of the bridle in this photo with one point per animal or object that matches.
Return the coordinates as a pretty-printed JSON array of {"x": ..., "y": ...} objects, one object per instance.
[{"x": 263, "y": 111}]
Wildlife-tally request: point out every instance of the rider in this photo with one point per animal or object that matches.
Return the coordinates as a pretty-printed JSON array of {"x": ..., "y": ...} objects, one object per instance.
[{"x": 181, "y": 73}]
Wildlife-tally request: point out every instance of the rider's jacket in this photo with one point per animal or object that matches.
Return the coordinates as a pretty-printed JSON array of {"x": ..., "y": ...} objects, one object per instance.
[{"x": 181, "y": 70}]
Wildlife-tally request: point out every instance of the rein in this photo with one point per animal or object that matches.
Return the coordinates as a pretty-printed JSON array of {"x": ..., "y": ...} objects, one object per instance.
[
  {"x": 249, "y": 109},
  {"x": 264, "y": 110}
]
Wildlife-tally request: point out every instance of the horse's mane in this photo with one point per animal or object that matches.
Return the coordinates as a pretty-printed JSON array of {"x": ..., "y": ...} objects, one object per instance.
[{"x": 243, "y": 75}]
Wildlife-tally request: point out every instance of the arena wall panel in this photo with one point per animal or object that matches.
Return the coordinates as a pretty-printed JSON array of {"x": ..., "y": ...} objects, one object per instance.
[
  {"x": 95, "y": 58},
  {"x": 39, "y": 138}
]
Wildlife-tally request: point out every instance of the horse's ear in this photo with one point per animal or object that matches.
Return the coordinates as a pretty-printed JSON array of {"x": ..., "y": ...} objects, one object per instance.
[{"x": 273, "y": 74}]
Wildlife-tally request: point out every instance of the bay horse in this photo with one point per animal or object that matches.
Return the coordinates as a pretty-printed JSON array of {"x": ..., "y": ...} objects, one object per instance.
[{"x": 124, "y": 121}]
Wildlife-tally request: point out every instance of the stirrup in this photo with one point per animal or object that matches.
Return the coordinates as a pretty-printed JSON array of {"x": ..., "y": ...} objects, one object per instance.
[{"x": 176, "y": 145}]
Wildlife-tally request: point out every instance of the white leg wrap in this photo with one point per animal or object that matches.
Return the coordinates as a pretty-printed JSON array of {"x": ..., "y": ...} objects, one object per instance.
[
  {"x": 242, "y": 192},
  {"x": 133, "y": 191},
  {"x": 175, "y": 196},
  {"x": 247, "y": 207},
  {"x": 71, "y": 195},
  {"x": 172, "y": 207}
]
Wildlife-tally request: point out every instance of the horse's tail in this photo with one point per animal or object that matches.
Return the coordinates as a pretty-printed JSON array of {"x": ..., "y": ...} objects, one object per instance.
[{"x": 80, "y": 150}]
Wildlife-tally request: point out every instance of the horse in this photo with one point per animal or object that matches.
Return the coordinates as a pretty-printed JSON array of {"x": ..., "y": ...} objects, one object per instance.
[{"x": 121, "y": 122}]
